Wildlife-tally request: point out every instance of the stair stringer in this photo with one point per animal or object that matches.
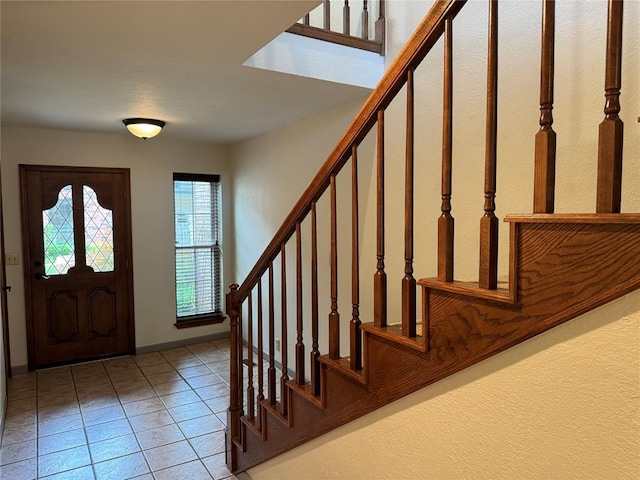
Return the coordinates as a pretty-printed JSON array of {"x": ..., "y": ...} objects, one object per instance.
[{"x": 561, "y": 269}]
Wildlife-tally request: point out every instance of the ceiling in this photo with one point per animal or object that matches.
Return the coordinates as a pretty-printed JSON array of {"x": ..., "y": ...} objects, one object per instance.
[{"x": 87, "y": 65}]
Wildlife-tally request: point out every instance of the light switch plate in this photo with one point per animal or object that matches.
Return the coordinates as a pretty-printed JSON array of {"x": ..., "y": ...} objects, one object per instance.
[{"x": 12, "y": 259}]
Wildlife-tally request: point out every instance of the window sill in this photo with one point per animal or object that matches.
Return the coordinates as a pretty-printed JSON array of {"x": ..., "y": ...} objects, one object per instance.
[{"x": 200, "y": 320}]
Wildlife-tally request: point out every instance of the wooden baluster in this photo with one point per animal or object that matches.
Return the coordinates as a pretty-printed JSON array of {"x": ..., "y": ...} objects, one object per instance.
[
  {"x": 365, "y": 20},
  {"x": 380, "y": 24},
  {"x": 489, "y": 222},
  {"x": 305, "y": 19},
  {"x": 235, "y": 405},
  {"x": 327, "y": 15},
  {"x": 408, "y": 282},
  {"x": 355, "y": 333},
  {"x": 545, "y": 162},
  {"x": 271, "y": 371},
  {"x": 315, "y": 353},
  {"x": 299, "y": 343},
  {"x": 283, "y": 345},
  {"x": 346, "y": 18},
  {"x": 446, "y": 221},
  {"x": 250, "y": 390},
  {"x": 240, "y": 365},
  {"x": 380, "y": 277},
  {"x": 260, "y": 356},
  {"x": 334, "y": 316},
  {"x": 611, "y": 129}
]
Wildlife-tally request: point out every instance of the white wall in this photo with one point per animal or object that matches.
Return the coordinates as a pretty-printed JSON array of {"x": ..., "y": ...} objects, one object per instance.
[
  {"x": 152, "y": 163},
  {"x": 309, "y": 57},
  {"x": 578, "y": 111},
  {"x": 270, "y": 172}
]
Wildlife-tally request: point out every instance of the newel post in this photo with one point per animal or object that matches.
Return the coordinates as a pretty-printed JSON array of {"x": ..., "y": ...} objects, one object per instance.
[{"x": 234, "y": 412}]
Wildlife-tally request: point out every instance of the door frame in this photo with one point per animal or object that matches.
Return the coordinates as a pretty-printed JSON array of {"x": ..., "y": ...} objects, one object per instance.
[
  {"x": 4, "y": 307},
  {"x": 24, "y": 217}
]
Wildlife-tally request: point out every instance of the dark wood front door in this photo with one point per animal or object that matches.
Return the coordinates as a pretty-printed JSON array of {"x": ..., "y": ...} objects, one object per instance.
[{"x": 76, "y": 226}]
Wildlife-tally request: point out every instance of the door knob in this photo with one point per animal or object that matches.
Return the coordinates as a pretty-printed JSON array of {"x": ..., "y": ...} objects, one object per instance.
[
  {"x": 7, "y": 288},
  {"x": 40, "y": 276}
]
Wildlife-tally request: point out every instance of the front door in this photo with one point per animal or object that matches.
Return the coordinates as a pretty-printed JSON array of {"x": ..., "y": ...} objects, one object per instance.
[{"x": 76, "y": 225}]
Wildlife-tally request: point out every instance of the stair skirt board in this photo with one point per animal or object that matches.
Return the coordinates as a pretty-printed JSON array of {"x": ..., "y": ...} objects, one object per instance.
[{"x": 560, "y": 271}]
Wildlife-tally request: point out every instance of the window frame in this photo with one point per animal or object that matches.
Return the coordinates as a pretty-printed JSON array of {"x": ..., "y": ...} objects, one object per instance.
[{"x": 208, "y": 318}]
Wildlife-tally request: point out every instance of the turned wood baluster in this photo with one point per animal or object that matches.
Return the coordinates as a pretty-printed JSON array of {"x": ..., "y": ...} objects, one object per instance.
[
  {"x": 612, "y": 128},
  {"x": 446, "y": 221},
  {"x": 489, "y": 222},
  {"x": 299, "y": 343},
  {"x": 260, "y": 397},
  {"x": 545, "y": 162},
  {"x": 327, "y": 15},
  {"x": 240, "y": 365},
  {"x": 380, "y": 24},
  {"x": 380, "y": 277},
  {"x": 271, "y": 371},
  {"x": 315, "y": 353},
  {"x": 365, "y": 20},
  {"x": 334, "y": 316},
  {"x": 354, "y": 330},
  {"x": 346, "y": 18},
  {"x": 250, "y": 390},
  {"x": 235, "y": 405},
  {"x": 408, "y": 282},
  {"x": 283, "y": 345}
]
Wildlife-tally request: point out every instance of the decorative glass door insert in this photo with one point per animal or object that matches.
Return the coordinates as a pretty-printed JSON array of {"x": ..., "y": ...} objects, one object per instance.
[{"x": 58, "y": 233}]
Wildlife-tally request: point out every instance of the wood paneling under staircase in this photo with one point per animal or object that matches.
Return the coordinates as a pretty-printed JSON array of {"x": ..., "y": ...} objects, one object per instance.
[{"x": 560, "y": 266}]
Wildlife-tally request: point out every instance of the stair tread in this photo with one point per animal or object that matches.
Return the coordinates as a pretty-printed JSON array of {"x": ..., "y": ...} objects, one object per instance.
[
  {"x": 472, "y": 289},
  {"x": 627, "y": 218},
  {"x": 394, "y": 333},
  {"x": 305, "y": 391},
  {"x": 342, "y": 365}
]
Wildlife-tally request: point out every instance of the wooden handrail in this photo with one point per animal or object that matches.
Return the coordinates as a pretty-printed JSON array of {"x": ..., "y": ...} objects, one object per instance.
[{"x": 409, "y": 57}]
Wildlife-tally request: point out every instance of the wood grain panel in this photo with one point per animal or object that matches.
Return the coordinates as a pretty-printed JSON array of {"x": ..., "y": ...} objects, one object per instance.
[
  {"x": 102, "y": 312},
  {"x": 63, "y": 317},
  {"x": 564, "y": 270}
]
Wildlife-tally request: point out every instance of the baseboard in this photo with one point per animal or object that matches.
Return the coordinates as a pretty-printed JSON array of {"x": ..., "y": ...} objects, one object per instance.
[
  {"x": 266, "y": 358},
  {"x": 16, "y": 369},
  {"x": 181, "y": 343}
]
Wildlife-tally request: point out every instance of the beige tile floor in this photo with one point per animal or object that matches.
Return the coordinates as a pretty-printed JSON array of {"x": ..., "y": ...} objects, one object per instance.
[{"x": 153, "y": 416}]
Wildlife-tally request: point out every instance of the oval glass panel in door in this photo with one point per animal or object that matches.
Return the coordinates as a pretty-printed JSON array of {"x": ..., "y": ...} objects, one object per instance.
[
  {"x": 57, "y": 228},
  {"x": 98, "y": 232}
]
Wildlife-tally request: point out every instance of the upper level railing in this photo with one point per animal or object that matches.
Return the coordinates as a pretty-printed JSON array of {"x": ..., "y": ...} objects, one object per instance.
[
  {"x": 359, "y": 28},
  {"x": 247, "y": 301}
]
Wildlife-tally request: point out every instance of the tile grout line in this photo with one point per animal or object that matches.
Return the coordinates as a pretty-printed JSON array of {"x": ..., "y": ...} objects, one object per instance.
[{"x": 178, "y": 362}]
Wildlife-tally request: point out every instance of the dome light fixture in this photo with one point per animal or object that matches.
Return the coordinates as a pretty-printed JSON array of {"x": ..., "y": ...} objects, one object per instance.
[{"x": 144, "y": 127}]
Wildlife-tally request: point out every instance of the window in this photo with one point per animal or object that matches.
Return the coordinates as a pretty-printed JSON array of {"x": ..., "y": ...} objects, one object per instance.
[{"x": 198, "y": 252}]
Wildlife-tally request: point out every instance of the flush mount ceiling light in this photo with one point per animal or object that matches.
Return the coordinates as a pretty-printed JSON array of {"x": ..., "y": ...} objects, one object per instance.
[{"x": 144, "y": 127}]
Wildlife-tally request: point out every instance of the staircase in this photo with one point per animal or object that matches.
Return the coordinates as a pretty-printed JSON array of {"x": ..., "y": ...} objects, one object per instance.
[{"x": 560, "y": 265}]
